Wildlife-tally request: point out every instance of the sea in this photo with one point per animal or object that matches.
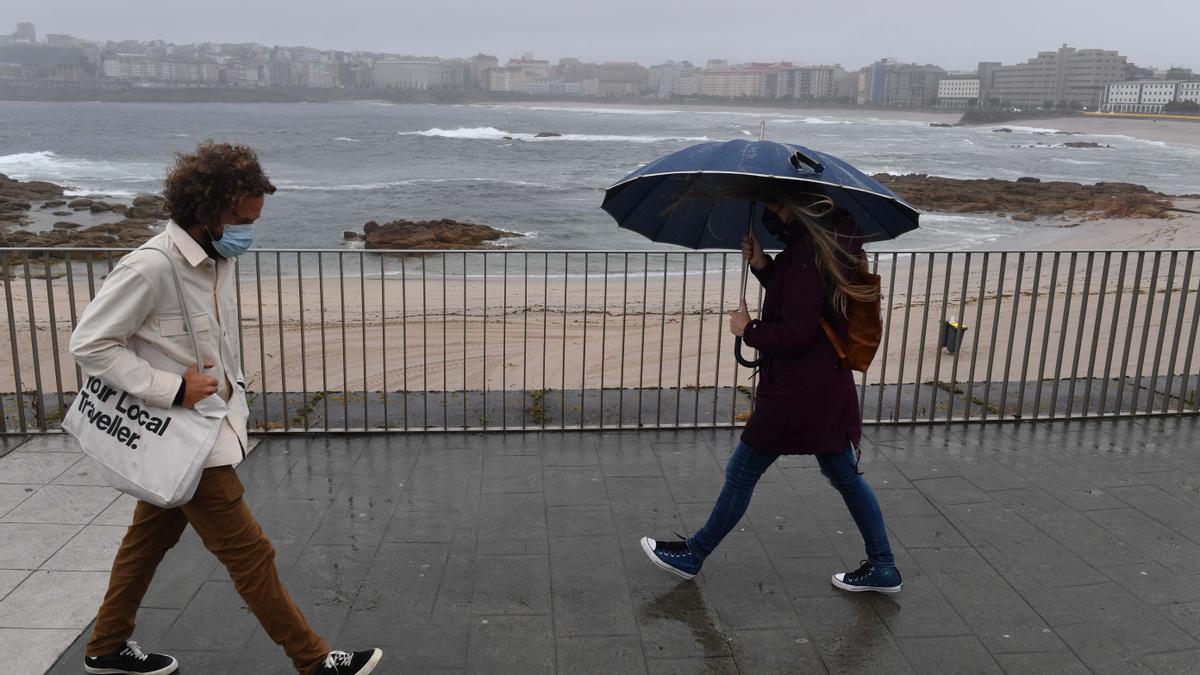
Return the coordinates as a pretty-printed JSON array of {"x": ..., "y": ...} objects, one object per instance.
[{"x": 339, "y": 165}]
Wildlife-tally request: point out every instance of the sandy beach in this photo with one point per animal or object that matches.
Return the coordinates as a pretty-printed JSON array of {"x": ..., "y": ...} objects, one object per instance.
[{"x": 396, "y": 334}]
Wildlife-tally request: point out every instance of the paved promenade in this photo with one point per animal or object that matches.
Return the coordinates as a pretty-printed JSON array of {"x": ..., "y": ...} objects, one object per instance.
[{"x": 1032, "y": 548}]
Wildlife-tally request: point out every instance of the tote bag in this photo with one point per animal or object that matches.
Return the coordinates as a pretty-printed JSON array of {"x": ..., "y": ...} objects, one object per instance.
[{"x": 155, "y": 454}]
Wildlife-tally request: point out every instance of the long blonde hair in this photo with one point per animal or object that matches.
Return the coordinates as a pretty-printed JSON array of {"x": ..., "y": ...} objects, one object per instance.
[{"x": 814, "y": 212}]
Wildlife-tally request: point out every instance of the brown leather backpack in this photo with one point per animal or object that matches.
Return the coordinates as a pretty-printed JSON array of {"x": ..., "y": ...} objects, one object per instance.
[{"x": 865, "y": 323}]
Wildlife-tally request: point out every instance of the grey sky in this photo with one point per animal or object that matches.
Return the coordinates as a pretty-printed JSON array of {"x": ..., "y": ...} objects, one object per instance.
[{"x": 952, "y": 34}]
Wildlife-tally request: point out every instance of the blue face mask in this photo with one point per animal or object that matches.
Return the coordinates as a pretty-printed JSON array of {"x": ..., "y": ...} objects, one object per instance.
[{"x": 235, "y": 241}]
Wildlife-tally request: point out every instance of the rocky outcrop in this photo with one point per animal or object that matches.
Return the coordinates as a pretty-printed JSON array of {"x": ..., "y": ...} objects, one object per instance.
[
  {"x": 1028, "y": 198},
  {"x": 17, "y": 197},
  {"x": 547, "y": 134},
  {"x": 126, "y": 233},
  {"x": 431, "y": 234}
]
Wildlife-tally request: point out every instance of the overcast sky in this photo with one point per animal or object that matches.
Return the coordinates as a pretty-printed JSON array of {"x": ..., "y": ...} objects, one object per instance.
[{"x": 955, "y": 35}]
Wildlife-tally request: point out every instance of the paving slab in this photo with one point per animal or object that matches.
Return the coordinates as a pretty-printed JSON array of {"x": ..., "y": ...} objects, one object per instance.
[{"x": 1041, "y": 547}]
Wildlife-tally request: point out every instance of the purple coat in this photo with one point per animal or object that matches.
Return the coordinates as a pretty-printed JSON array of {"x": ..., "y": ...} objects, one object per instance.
[{"x": 805, "y": 403}]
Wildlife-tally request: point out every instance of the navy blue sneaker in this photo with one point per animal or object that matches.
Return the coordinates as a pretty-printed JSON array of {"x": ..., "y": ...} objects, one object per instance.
[
  {"x": 130, "y": 660},
  {"x": 672, "y": 556},
  {"x": 868, "y": 577}
]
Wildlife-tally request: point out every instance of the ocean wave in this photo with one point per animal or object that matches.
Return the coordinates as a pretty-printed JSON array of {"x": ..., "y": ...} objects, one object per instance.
[
  {"x": 347, "y": 139},
  {"x": 598, "y": 111},
  {"x": 84, "y": 192},
  {"x": 1123, "y": 137},
  {"x": 494, "y": 134},
  {"x": 48, "y": 166},
  {"x": 1026, "y": 130},
  {"x": 367, "y": 187}
]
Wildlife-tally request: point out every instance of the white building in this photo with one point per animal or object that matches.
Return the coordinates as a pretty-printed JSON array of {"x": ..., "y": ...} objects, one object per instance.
[
  {"x": 958, "y": 92},
  {"x": 665, "y": 79},
  {"x": 505, "y": 79},
  {"x": 1149, "y": 96},
  {"x": 417, "y": 74},
  {"x": 1188, "y": 91},
  {"x": 553, "y": 88},
  {"x": 59, "y": 40}
]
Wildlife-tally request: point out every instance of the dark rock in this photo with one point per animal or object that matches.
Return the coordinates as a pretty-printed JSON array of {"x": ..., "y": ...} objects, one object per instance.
[
  {"x": 149, "y": 200},
  {"x": 1028, "y": 179},
  {"x": 370, "y": 227},
  {"x": 350, "y": 235},
  {"x": 1024, "y": 217},
  {"x": 145, "y": 213},
  {"x": 547, "y": 134},
  {"x": 53, "y": 204},
  {"x": 1002, "y": 130},
  {"x": 437, "y": 234},
  {"x": 81, "y": 203},
  {"x": 941, "y": 125},
  {"x": 1084, "y": 144},
  {"x": 63, "y": 213},
  {"x": 121, "y": 234},
  {"x": 66, "y": 225},
  {"x": 100, "y": 207},
  {"x": 1039, "y": 199}
]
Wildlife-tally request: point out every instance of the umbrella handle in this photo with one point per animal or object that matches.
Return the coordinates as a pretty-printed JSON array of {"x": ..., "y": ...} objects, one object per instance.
[{"x": 737, "y": 354}]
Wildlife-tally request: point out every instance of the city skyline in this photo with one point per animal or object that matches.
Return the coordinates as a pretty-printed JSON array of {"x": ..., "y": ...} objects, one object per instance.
[{"x": 926, "y": 31}]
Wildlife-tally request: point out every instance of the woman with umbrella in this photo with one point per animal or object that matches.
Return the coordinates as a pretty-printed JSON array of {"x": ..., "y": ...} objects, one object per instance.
[{"x": 806, "y": 401}]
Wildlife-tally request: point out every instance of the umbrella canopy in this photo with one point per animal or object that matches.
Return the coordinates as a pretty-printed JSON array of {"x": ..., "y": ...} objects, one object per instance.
[{"x": 648, "y": 201}]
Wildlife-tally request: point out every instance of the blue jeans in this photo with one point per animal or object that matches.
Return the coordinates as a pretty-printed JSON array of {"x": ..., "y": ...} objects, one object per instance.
[{"x": 747, "y": 465}]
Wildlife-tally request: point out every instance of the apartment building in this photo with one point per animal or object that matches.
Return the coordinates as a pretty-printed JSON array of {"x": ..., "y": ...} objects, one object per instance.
[{"x": 1066, "y": 76}]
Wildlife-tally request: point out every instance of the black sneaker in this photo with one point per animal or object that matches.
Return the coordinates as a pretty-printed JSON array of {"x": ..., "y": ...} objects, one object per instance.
[
  {"x": 130, "y": 660},
  {"x": 868, "y": 577},
  {"x": 345, "y": 663}
]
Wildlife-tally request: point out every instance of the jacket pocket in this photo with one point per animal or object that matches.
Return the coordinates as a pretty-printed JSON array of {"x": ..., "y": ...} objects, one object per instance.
[{"x": 174, "y": 326}]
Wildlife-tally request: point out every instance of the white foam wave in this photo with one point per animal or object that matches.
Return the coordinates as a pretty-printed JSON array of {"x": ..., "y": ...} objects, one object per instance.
[
  {"x": 494, "y": 134},
  {"x": 1122, "y": 137},
  {"x": 1027, "y": 130},
  {"x": 347, "y": 139},
  {"x": 808, "y": 120},
  {"x": 600, "y": 111},
  {"x": 48, "y": 166},
  {"x": 366, "y": 187}
]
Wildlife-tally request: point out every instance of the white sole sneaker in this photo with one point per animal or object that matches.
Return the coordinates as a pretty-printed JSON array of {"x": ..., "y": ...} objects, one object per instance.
[
  {"x": 166, "y": 670},
  {"x": 376, "y": 657},
  {"x": 648, "y": 547},
  {"x": 837, "y": 581}
]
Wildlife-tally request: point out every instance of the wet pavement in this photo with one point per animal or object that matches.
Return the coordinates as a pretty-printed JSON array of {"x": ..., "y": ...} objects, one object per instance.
[{"x": 1025, "y": 548}]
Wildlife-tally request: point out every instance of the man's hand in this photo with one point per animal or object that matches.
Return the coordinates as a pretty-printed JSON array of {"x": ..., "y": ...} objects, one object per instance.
[
  {"x": 197, "y": 386},
  {"x": 738, "y": 319},
  {"x": 752, "y": 251}
]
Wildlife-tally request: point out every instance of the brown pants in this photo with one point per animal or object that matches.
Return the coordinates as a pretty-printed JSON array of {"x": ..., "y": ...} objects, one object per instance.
[{"x": 228, "y": 529}]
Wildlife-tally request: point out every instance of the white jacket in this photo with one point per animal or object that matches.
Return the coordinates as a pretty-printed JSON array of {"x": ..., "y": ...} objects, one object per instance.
[{"x": 132, "y": 334}]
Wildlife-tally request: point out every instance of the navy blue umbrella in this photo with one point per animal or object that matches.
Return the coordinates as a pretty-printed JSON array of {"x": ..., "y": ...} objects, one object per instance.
[
  {"x": 648, "y": 201},
  {"x": 680, "y": 198}
]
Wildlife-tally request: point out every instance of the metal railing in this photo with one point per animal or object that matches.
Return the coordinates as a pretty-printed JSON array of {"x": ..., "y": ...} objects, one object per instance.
[{"x": 510, "y": 340}]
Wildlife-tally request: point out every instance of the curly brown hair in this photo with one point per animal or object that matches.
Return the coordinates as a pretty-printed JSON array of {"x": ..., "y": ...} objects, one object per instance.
[{"x": 204, "y": 184}]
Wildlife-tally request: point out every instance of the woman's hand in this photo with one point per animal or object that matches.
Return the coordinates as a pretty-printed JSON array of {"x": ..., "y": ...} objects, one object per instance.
[
  {"x": 752, "y": 251},
  {"x": 738, "y": 319}
]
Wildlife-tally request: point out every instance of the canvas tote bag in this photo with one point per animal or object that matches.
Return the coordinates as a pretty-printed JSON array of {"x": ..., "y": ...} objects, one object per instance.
[{"x": 155, "y": 454}]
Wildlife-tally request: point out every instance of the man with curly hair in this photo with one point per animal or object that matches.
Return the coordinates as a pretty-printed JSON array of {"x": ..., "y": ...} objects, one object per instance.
[{"x": 132, "y": 335}]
